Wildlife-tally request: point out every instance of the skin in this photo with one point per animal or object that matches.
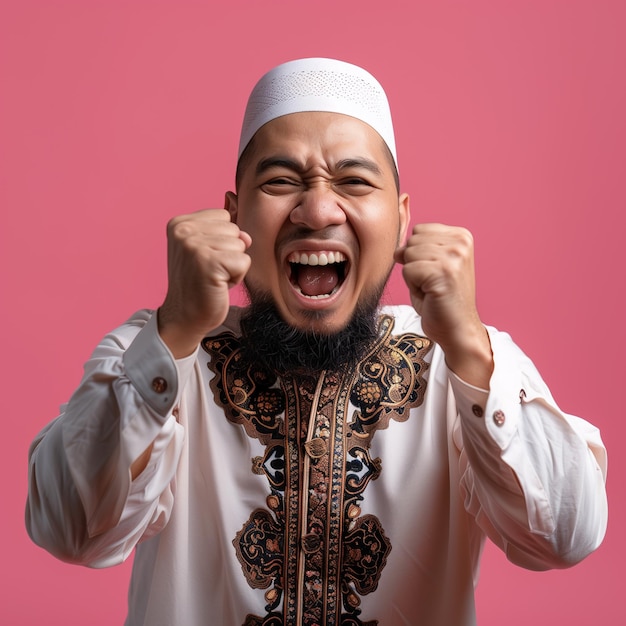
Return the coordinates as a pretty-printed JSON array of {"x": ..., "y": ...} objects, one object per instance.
[
  {"x": 318, "y": 183},
  {"x": 438, "y": 268},
  {"x": 321, "y": 182}
]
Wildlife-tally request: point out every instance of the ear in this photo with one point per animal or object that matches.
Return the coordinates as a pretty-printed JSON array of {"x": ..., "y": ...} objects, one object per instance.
[
  {"x": 404, "y": 211},
  {"x": 230, "y": 204}
]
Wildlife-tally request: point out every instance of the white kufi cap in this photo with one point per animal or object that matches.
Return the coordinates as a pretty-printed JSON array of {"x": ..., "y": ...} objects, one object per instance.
[{"x": 318, "y": 85}]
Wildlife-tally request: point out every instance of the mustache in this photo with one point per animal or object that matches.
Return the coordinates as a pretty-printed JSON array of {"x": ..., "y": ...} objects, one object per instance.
[{"x": 298, "y": 231}]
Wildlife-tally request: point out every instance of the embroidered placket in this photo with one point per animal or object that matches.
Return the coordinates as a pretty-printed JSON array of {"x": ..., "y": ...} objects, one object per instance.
[{"x": 313, "y": 550}]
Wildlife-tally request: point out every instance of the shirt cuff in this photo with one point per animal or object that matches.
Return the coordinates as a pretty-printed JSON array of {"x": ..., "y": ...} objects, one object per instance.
[
  {"x": 153, "y": 371},
  {"x": 494, "y": 413}
]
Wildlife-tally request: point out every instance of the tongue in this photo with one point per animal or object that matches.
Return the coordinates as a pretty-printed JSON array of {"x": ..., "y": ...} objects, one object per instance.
[{"x": 316, "y": 280}]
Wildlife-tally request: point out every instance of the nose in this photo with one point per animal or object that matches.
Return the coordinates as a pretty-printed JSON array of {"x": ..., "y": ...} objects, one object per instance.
[{"x": 318, "y": 208}]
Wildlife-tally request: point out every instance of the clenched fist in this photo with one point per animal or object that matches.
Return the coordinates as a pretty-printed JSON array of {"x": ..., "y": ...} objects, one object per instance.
[
  {"x": 438, "y": 268},
  {"x": 206, "y": 257}
]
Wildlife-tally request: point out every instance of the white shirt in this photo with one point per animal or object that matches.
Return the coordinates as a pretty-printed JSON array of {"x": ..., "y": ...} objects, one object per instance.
[{"x": 212, "y": 522}]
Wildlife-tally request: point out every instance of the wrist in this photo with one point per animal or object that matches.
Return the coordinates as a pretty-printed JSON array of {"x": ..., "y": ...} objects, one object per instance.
[
  {"x": 179, "y": 338},
  {"x": 470, "y": 357}
]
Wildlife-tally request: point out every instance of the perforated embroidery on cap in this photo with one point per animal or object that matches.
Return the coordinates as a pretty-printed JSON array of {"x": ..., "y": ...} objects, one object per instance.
[{"x": 324, "y": 85}]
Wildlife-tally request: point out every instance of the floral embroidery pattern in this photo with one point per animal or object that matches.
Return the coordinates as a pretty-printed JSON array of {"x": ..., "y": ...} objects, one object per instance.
[{"x": 312, "y": 550}]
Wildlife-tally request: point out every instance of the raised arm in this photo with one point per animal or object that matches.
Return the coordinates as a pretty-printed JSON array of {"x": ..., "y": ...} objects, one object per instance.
[
  {"x": 100, "y": 475},
  {"x": 83, "y": 504},
  {"x": 533, "y": 477}
]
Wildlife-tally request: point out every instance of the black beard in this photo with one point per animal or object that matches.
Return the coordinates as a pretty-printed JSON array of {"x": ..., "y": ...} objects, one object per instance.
[{"x": 268, "y": 340}]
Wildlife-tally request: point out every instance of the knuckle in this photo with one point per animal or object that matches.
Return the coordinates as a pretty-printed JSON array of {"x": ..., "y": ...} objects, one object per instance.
[
  {"x": 462, "y": 245},
  {"x": 180, "y": 228},
  {"x": 172, "y": 223},
  {"x": 466, "y": 237}
]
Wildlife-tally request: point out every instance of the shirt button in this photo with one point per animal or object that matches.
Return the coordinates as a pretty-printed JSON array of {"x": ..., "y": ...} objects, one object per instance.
[
  {"x": 159, "y": 385},
  {"x": 311, "y": 543},
  {"x": 316, "y": 448},
  {"x": 477, "y": 410},
  {"x": 498, "y": 418}
]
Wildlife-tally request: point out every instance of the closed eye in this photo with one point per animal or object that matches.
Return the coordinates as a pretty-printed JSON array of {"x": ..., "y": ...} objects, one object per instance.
[
  {"x": 280, "y": 184},
  {"x": 354, "y": 181},
  {"x": 355, "y": 186}
]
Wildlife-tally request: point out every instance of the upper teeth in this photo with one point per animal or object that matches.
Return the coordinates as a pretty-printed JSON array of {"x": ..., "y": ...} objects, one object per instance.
[{"x": 323, "y": 258}]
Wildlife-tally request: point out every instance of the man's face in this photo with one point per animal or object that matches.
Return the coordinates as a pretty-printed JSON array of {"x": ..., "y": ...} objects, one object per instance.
[{"x": 319, "y": 199}]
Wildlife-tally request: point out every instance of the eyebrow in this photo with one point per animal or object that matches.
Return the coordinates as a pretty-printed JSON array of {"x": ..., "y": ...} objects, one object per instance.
[
  {"x": 282, "y": 161},
  {"x": 366, "y": 164},
  {"x": 278, "y": 161}
]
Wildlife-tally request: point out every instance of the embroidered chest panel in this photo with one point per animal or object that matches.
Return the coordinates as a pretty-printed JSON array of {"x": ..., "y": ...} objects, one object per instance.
[{"x": 312, "y": 549}]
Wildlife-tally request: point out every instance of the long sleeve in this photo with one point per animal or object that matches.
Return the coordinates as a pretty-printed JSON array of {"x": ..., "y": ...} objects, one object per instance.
[
  {"x": 82, "y": 505},
  {"x": 533, "y": 477}
]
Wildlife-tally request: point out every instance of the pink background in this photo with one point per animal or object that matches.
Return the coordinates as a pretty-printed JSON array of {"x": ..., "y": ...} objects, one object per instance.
[{"x": 116, "y": 115}]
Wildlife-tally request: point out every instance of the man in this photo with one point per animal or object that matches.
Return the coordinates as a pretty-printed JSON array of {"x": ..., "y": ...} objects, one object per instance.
[{"x": 313, "y": 458}]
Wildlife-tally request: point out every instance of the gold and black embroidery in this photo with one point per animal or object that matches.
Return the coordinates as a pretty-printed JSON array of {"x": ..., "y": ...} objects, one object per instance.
[{"x": 311, "y": 549}]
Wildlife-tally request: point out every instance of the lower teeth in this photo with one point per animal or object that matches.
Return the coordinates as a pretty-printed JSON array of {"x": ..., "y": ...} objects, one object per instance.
[{"x": 322, "y": 296}]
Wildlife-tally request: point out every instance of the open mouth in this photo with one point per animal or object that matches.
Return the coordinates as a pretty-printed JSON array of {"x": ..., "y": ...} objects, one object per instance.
[{"x": 317, "y": 275}]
